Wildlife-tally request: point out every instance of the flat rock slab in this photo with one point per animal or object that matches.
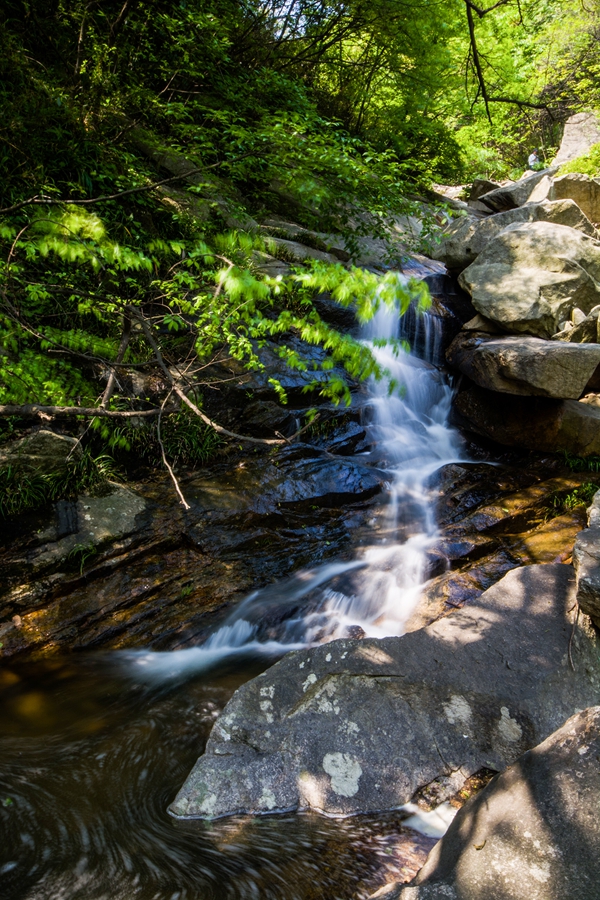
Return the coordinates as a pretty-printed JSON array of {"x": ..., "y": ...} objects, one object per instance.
[
  {"x": 525, "y": 365},
  {"x": 467, "y": 238},
  {"x": 358, "y": 726},
  {"x": 531, "y": 276},
  {"x": 533, "y": 832}
]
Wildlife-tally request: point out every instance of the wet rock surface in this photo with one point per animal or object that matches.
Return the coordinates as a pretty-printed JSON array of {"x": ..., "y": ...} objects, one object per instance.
[
  {"x": 354, "y": 726},
  {"x": 532, "y": 832}
]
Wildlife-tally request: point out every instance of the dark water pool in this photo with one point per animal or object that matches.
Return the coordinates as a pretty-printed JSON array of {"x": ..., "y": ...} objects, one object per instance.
[{"x": 89, "y": 761}]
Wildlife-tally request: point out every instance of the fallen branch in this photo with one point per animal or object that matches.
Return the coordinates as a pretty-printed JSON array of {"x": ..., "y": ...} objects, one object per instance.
[
  {"x": 37, "y": 409},
  {"x": 270, "y": 442},
  {"x": 168, "y": 467}
]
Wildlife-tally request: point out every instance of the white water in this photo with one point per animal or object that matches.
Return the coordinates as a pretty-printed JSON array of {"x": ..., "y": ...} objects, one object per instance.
[{"x": 377, "y": 591}]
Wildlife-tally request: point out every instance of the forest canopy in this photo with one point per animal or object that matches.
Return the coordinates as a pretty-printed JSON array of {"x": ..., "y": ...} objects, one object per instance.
[{"x": 144, "y": 141}]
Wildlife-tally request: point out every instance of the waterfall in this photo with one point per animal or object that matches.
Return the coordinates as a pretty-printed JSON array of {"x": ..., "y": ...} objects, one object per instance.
[{"x": 375, "y": 593}]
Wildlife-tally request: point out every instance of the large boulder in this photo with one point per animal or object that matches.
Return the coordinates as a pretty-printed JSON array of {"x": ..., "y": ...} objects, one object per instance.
[
  {"x": 467, "y": 237},
  {"x": 586, "y": 559},
  {"x": 535, "y": 423},
  {"x": 531, "y": 276},
  {"x": 531, "y": 188},
  {"x": 533, "y": 832},
  {"x": 585, "y": 191},
  {"x": 356, "y": 726},
  {"x": 524, "y": 365},
  {"x": 581, "y": 132},
  {"x": 41, "y": 452}
]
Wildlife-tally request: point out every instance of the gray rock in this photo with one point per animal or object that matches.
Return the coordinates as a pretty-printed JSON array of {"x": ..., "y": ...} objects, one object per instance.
[
  {"x": 532, "y": 832},
  {"x": 586, "y": 560},
  {"x": 530, "y": 277},
  {"x": 585, "y": 191},
  {"x": 519, "y": 192},
  {"x": 536, "y": 423},
  {"x": 482, "y": 186},
  {"x": 584, "y": 332},
  {"x": 581, "y": 132},
  {"x": 357, "y": 726},
  {"x": 467, "y": 238},
  {"x": 525, "y": 365},
  {"x": 42, "y": 452}
]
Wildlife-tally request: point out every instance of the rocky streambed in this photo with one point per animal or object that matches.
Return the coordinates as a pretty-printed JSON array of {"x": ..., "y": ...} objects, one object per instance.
[{"x": 385, "y": 520}]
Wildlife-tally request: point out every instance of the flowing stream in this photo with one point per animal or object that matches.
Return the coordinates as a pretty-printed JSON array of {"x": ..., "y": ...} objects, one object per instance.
[{"x": 94, "y": 747}]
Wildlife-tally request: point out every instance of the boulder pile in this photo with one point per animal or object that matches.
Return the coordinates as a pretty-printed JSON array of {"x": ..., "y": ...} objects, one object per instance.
[{"x": 532, "y": 270}]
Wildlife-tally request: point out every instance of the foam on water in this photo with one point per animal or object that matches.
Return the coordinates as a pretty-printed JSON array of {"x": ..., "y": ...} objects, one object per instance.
[{"x": 377, "y": 591}]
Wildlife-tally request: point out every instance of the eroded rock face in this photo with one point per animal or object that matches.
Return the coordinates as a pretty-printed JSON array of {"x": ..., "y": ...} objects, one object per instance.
[
  {"x": 585, "y": 191},
  {"x": 354, "y": 726},
  {"x": 467, "y": 238},
  {"x": 531, "y": 276},
  {"x": 532, "y": 832},
  {"x": 525, "y": 365},
  {"x": 581, "y": 132},
  {"x": 519, "y": 192},
  {"x": 536, "y": 423}
]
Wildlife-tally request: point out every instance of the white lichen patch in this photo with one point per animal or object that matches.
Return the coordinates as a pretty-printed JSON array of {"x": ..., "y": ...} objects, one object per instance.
[
  {"x": 458, "y": 711},
  {"x": 268, "y": 691},
  {"x": 266, "y": 707},
  {"x": 328, "y": 657},
  {"x": 349, "y": 728},
  {"x": 344, "y": 771},
  {"x": 508, "y": 728},
  {"x": 310, "y": 680},
  {"x": 208, "y": 805},
  {"x": 267, "y": 799}
]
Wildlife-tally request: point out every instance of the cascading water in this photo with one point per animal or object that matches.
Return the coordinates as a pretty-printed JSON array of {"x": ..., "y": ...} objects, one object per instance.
[
  {"x": 94, "y": 747},
  {"x": 375, "y": 593}
]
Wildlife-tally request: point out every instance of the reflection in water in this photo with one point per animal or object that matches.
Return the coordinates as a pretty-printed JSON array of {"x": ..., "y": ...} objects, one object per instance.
[{"x": 89, "y": 769}]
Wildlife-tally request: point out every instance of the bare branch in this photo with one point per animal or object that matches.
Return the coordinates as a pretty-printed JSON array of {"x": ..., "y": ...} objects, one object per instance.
[
  {"x": 168, "y": 467},
  {"x": 112, "y": 378},
  {"x": 37, "y": 409}
]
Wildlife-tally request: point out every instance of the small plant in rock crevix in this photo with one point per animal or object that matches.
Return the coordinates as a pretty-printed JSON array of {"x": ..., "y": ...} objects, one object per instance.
[
  {"x": 22, "y": 491},
  {"x": 81, "y": 553},
  {"x": 581, "y": 496},
  {"x": 582, "y": 463}
]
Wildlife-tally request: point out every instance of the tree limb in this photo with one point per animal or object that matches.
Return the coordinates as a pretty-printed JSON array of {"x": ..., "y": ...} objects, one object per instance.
[
  {"x": 112, "y": 378},
  {"x": 37, "y": 409}
]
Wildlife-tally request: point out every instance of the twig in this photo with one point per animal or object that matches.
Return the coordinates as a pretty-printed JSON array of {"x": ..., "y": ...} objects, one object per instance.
[
  {"x": 183, "y": 396},
  {"x": 120, "y": 354},
  {"x": 575, "y": 621},
  {"x": 50, "y": 201},
  {"x": 184, "y": 502}
]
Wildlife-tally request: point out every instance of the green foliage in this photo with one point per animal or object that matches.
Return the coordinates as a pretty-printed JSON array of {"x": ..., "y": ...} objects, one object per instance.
[
  {"x": 588, "y": 164},
  {"x": 581, "y": 496},
  {"x": 582, "y": 463},
  {"x": 187, "y": 440},
  {"x": 21, "y": 491}
]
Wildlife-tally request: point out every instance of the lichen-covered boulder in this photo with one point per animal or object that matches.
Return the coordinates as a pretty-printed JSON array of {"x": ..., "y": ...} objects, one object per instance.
[
  {"x": 524, "y": 365},
  {"x": 533, "y": 832},
  {"x": 468, "y": 237},
  {"x": 357, "y": 726},
  {"x": 530, "y": 277}
]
